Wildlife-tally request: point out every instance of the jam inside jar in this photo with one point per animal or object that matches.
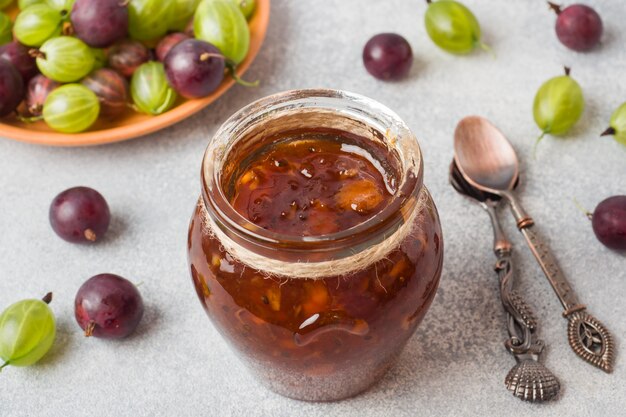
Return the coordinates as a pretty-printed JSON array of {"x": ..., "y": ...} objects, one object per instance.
[
  {"x": 315, "y": 248},
  {"x": 311, "y": 183}
]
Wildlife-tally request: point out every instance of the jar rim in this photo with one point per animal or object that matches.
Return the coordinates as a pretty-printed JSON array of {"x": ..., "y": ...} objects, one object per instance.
[{"x": 372, "y": 114}]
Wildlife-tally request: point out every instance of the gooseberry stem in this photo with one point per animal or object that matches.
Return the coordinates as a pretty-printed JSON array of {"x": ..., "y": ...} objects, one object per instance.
[
  {"x": 90, "y": 235},
  {"x": 537, "y": 143},
  {"x": 205, "y": 56},
  {"x": 47, "y": 298},
  {"x": 555, "y": 7},
  {"x": 609, "y": 132},
  {"x": 36, "y": 53},
  {"x": 68, "y": 29},
  {"x": 231, "y": 68},
  {"x": 29, "y": 119},
  {"x": 584, "y": 210},
  {"x": 487, "y": 48},
  {"x": 90, "y": 328},
  {"x": 35, "y": 108},
  {"x": 567, "y": 70},
  {"x": 5, "y": 365},
  {"x": 133, "y": 107}
]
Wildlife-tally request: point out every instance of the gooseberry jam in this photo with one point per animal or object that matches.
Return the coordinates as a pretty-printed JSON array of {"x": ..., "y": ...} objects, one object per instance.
[
  {"x": 310, "y": 199},
  {"x": 312, "y": 184}
]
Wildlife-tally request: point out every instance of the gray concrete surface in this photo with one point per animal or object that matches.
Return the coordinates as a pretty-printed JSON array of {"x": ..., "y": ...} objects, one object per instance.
[{"x": 177, "y": 364}]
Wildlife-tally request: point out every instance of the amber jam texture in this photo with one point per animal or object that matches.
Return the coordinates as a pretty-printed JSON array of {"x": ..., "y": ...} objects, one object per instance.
[
  {"x": 312, "y": 183},
  {"x": 305, "y": 179}
]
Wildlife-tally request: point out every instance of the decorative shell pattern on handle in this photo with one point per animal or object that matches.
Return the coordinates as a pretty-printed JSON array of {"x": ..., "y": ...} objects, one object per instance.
[{"x": 530, "y": 381}]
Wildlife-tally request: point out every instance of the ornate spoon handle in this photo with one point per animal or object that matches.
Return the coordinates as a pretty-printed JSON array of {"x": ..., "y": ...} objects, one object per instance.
[
  {"x": 521, "y": 324},
  {"x": 551, "y": 269},
  {"x": 528, "y": 380},
  {"x": 514, "y": 305},
  {"x": 586, "y": 335}
]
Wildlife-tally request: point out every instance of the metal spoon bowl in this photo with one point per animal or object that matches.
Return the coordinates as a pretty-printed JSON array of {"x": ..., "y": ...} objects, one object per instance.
[{"x": 484, "y": 156}]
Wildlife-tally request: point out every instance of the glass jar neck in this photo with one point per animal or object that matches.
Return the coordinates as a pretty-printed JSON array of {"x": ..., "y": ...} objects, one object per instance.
[{"x": 301, "y": 110}]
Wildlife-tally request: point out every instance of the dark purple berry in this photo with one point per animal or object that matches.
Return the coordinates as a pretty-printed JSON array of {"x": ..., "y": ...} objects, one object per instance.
[
  {"x": 126, "y": 56},
  {"x": 39, "y": 87},
  {"x": 111, "y": 89},
  {"x": 100, "y": 23},
  {"x": 108, "y": 306},
  {"x": 388, "y": 56},
  {"x": 80, "y": 215},
  {"x": 194, "y": 68},
  {"x": 19, "y": 56},
  {"x": 11, "y": 87},
  {"x": 578, "y": 27},
  {"x": 609, "y": 222},
  {"x": 168, "y": 42}
]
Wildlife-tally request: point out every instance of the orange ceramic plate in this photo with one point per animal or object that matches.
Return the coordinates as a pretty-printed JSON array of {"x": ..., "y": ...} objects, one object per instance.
[{"x": 132, "y": 124}]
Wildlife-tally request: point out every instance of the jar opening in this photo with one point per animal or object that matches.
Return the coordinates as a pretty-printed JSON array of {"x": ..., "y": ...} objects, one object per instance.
[{"x": 302, "y": 111}]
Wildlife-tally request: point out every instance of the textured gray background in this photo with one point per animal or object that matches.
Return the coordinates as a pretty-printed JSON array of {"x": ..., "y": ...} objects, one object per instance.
[{"x": 177, "y": 364}]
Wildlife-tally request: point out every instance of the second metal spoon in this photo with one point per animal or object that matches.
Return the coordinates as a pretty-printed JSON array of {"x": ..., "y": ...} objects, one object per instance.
[{"x": 528, "y": 380}]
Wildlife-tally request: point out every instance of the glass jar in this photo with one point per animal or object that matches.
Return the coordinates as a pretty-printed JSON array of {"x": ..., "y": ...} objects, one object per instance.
[{"x": 316, "y": 318}]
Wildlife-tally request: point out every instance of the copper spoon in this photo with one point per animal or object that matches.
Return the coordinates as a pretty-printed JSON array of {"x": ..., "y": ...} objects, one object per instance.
[
  {"x": 489, "y": 163},
  {"x": 529, "y": 379}
]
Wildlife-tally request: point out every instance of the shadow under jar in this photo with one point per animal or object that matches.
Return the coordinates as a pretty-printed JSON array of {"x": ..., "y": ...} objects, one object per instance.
[{"x": 315, "y": 248}]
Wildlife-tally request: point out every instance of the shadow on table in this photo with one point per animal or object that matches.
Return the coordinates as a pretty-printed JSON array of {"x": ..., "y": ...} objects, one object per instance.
[
  {"x": 464, "y": 327},
  {"x": 117, "y": 228},
  {"x": 66, "y": 328},
  {"x": 150, "y": 321}
]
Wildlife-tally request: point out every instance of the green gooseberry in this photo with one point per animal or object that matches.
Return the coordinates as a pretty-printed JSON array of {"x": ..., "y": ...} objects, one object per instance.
[
  {"x": 64, "y": 6},
  {"x": 453, "y": 27},
  {"x": 65, "y": 59},
  {"x": 36, "y": 24},
  {"x": 71, "y": 108},
  {"x": 183, "y": 13},
  {"x": 221, "y": 23},
  {"x": 100, "y": 58},
  {"x": 617, "y": 127},
  {"x": 558, "y": 105},
  {"x": 150, "y": 90},
  {"x": 6, "y": 26},
  {"x": 149, "y": 19},
  {"x": 27, "y": 332},
  {"x": 247, "y": 7},
  {"x": 22, "y": 4}
]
